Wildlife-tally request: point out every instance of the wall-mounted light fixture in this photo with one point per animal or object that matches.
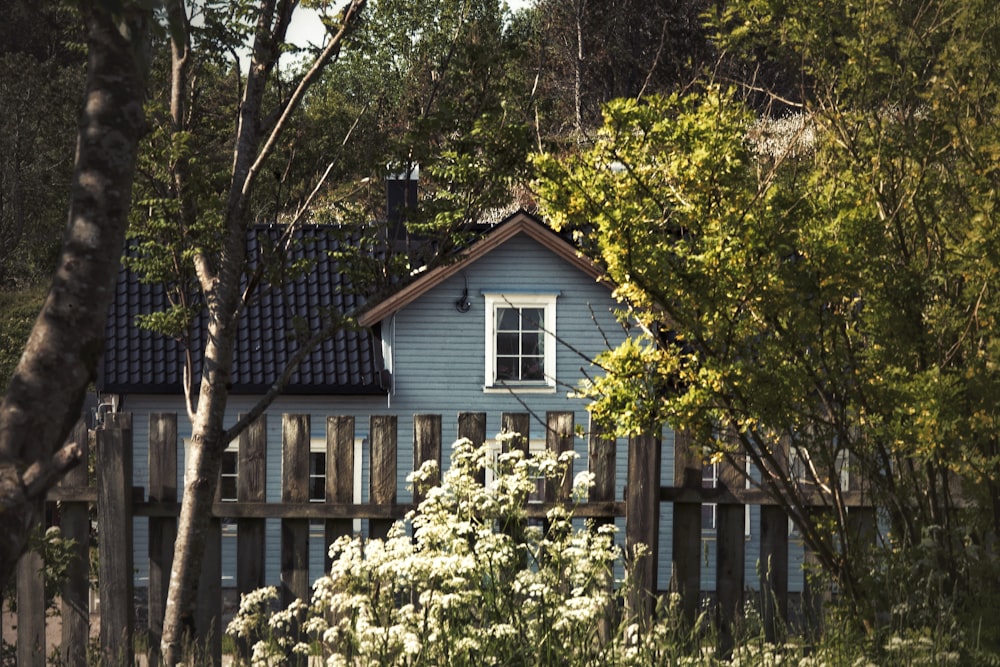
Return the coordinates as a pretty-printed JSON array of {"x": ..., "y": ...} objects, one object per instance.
[{"x": 464, "y": 304}]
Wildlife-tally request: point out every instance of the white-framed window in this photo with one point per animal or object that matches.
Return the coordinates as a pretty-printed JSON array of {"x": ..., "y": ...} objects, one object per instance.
[
  {"x": 535, "y": 447},
  {"x": 520, "y": 341},
  {"x": 710, "y": 480},
  {"x": 229, "y": 474}
]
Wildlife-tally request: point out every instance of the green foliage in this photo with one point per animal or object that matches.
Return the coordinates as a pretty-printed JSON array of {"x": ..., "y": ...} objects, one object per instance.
[
  {"x": 823, "y": 281},
  {"x": 42, "y": 68},
  {"x": 471, "y": 580},
  {"x": 18, "y": 311}
]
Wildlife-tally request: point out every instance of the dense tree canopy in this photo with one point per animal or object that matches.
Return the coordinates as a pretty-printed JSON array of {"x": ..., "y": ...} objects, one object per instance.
[{"x": 825, "y": 280}]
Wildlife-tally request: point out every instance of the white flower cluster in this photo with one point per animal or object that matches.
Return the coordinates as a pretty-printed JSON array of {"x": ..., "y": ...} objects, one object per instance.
[{"x": 467, "y": 578}]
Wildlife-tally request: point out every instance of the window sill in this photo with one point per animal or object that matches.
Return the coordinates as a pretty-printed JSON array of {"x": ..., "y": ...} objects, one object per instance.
[{"x": 519, "y": 389}]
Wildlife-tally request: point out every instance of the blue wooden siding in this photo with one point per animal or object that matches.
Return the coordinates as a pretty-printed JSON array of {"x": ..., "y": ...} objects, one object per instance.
[{"x": 438, "y": 367}]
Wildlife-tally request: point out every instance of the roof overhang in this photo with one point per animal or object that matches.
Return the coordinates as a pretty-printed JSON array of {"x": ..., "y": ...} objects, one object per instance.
[{"x": 519, "y": 223}]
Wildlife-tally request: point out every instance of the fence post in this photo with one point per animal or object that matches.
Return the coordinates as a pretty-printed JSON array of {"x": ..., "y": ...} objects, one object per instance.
[
  {"x": 730, "y": 554},
  {"x": 601, "y": 461},
  {"x": 114, "y": 520},
  {"x": 251, "y": 487},
  {"x": 687, "y": 528},
  {"x": 520, "y": 423},
  {"x": 558, "y": 439},
  {"x": 472, "y": 426},
  {"x": 31, "y": 609},
  {"x": 383, "y": 469},
  {"x": 339, "y": 476},
  {"x": 642, "y": 520},
  {"x": 295, "y": 489},
  {"x": 774, "y": 557},
  {"x": 162, "y": 530},
  {"x": 75, "y": 520},
  {"x": 426, "y": 447}
]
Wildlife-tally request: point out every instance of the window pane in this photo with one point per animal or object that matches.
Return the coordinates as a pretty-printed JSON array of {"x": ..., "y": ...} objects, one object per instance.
[
  {"x": 507, "y": 319},
  {"x": 230, "y": 460},
  {"x": 531, "y": 343},
  {"x": 317, "y": 488},
  {"x": 505, "y": 368},
  {"x": 507, "y": 344},
  {"x": 227, "y": 488},
  {"x": 317, "y": 463},
  {"x": 532, "y": 368},
  {"x": 532, "y": 318}
]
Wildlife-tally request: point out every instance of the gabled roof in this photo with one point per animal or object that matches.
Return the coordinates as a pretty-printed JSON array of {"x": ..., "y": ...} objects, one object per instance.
[
  {"x": 348, "y": 363},
  {"x": 519, "y": 223}
]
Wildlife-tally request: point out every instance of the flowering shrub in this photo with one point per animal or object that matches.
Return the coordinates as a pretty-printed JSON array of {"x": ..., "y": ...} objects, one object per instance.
[{"x": 467, "y": 579}]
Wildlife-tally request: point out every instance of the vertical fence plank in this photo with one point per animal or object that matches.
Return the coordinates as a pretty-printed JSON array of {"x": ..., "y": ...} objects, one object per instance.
[
  {"x": 295, "y": 489},
  {"x": 75, "y": 520},
  {"x": 558, "y": 439},
  {"x": 601, "y": 455},
  {"x": 642, "y": 520},
  {"x": 426, "y": 447},
  {"x": 687, "y": 528},
  {"x": 774, "y": 558},
  {"x": 774, "y": 562},
  {"x": 383, "y": 469},
  {"x": 208, "y": 615},
  {"x": 114, "y": 516},
  {"x": 339, "y": 475},
  {"x": 31, "y": 609},
  {"x": 162, "y": 530},
  {"x": 520, "y": 424},
  {"x": 251, "y": 486},
  {"x": 730, "y": 527},
  {"x": 472, "y": 426}
]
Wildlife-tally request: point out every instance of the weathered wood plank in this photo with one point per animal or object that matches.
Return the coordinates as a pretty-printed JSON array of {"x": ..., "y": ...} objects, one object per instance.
[
  {"x": 339, "y": 477},
  {"x": 75, "y": 520},
  {"x": 472, "y": 426},
  {"x": 295, "y": 488},
  {"x": 729, "y": 572},
  {"x": 382, "y": 489},
  {"x": 114, "y": 516},
  {"x": 601, "y": 455},
  {"x": 251, "y": 479},
  {"x": 559, "y": 438},
  {"x": 426, "y": 447},
  {"x": 642, "y": 516},
  {"x": 686, "y": 564},
  {"x": 31, "y": 610},
  {"x": 518, "y": 423},
  {"x": 774, "y": 563},
  {"x": 162, "y": 530}
]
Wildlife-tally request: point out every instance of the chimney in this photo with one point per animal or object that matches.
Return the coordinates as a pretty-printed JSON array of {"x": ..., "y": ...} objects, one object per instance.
[{"x": 401, "y": 198}]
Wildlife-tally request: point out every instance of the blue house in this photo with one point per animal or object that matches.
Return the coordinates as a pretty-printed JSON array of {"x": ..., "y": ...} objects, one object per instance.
[{"x": 511, "y": 325}]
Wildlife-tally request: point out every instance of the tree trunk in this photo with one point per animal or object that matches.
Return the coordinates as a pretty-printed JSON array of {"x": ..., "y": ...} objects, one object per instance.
[
  {"x": 222, "y": 289},
  {"x": 45, "y": 395}
]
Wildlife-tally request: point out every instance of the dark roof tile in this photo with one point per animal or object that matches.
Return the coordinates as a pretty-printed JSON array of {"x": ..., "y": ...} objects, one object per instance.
[{"x": 139, "y": 361}]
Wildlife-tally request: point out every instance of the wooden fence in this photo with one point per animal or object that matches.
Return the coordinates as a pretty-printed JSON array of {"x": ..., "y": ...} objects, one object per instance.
[{"x": 117, "y": 502}]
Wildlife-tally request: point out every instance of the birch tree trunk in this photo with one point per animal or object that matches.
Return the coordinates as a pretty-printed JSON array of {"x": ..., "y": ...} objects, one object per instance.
[
  {"x": 46, "y": 393},
  {"x": 219, "y": 277}
]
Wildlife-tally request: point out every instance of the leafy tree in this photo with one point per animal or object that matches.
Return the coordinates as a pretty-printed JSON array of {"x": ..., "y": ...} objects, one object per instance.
[
  {"x": 59, "y": 361},
  {"x": 199, "y": 208},
  {"x": 450, "y": 97},
  {"x": 587, "y": 53},
  {"x": 42, "y": 68},
  {"x": 822, "y": 284}
]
